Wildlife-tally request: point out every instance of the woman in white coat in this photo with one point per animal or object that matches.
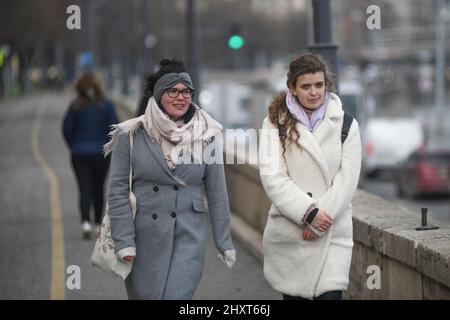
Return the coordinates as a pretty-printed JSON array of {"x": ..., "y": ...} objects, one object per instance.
[{"x": 310, "y": 176}]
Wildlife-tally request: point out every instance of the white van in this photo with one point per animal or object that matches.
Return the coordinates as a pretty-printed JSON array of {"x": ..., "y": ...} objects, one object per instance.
[{"x": 387, "y": 142}]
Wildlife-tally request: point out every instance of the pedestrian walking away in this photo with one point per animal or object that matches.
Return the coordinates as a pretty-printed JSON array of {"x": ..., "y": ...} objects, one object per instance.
[
  {"x": 85, "y": 128},
  {"x": 310, "y": 174},
  {"x": 166, "y": 241}
]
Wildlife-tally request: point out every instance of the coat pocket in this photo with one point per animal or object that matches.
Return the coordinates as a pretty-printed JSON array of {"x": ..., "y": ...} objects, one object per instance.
[{"x": 197, "y": 206}]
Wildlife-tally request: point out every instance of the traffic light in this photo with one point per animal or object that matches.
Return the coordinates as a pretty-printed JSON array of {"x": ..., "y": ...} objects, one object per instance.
[{"x": 235, "y": 39}]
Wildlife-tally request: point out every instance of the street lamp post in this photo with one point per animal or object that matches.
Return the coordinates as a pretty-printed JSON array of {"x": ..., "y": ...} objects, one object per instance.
[
  {"x": 192, "y": 46},
  {"x": 440, "y": 55},
  {"x": 440, "y": 71},
  {"x": 126, "y": 48},
  {"x": 323, "y": 43},
  {"x": 146, "y": 43}
]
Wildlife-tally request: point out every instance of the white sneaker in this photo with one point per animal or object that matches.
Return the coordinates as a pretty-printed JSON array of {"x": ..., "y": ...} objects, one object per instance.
[{"x": 86, "y": 228}]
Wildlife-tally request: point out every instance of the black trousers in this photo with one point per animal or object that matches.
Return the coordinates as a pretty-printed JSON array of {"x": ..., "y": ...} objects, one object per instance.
[
  {"x": 331, "y": 295},
  {"x": 90, "y": 172}
]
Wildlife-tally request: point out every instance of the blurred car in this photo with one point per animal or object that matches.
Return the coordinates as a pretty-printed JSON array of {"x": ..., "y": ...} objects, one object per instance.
[
  {"x": 388, "y": 142},
  {"x": 424, "y": 173}
]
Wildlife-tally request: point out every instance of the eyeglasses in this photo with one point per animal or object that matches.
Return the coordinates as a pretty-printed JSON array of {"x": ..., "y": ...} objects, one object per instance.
[{"x": 173, "y": 93}]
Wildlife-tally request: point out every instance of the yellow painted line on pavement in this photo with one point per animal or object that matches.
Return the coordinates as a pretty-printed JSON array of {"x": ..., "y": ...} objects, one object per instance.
[{"x": 57, "y": 290}]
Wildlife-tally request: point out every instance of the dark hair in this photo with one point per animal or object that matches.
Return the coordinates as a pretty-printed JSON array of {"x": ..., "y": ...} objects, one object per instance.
[
  {"x": 165, "y": 66},
  {"x": 89, "y": 90},
  {"x": 302, "y": 64}
]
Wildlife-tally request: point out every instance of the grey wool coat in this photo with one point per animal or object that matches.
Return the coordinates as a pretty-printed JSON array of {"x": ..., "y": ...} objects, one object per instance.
[{"x": 169, "y": 231}]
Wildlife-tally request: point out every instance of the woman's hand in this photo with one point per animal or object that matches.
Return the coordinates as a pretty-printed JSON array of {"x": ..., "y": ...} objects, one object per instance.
[
  {"x": 128, "y": 258},
  {"x": 228, "y": 257},
  {"x": 308, "y": 234},
  {"x": 322, "y": 221}
]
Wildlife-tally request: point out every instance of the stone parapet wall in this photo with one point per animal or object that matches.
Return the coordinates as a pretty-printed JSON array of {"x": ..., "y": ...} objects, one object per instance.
[{"x": 412, "y": 264}]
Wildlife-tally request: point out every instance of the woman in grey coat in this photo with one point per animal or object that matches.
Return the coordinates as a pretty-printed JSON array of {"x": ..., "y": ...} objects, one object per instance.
[{"x": 176, "y": 155}]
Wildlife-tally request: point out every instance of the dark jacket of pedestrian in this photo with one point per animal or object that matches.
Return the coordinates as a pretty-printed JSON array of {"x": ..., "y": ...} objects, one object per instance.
[{"x": 86, "y": 130}]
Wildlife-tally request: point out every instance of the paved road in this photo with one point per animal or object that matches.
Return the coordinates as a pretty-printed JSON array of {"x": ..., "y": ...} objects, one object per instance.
[
  {"x": 35, "y": 255},
  {"x": 438, "y": 207}
]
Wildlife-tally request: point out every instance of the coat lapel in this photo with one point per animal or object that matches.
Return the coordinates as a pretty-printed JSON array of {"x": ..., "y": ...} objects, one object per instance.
[
  {"x": 155, "y": 150},
  {"x": 181, "y": 168},
  {"x": 331, "y": 120},
  {"x": 312, "y": 141},
  {"x": 324, "y": 130},
  {"x": 309, "y": 144}
]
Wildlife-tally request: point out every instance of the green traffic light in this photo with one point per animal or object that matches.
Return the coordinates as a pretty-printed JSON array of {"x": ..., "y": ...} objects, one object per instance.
[{"x": 236, "y": 42}]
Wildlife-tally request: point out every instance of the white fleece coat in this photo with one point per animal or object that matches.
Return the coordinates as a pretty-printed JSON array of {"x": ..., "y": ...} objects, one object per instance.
[{"x": 328, "y": 170}]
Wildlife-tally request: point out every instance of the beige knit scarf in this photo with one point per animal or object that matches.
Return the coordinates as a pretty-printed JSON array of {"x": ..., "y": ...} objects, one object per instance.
[{"x": 180, "y": 142}]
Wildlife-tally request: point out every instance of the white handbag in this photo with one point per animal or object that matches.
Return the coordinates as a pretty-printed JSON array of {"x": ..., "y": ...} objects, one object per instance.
[{"x": 104, "y": 256}]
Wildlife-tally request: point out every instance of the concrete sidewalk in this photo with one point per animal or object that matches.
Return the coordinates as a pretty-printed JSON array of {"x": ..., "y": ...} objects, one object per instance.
[{"x": 244, "y": 282}]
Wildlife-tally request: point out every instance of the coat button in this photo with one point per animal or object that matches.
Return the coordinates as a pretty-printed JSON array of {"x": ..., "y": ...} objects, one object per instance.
[
  {"x": 173, "y": 214},
  {"x": 309, "y": 194},
  {"x": 155, "y": 189},
  {"x": 155, "y": 216},
  {"x": 175, "y": 187}
]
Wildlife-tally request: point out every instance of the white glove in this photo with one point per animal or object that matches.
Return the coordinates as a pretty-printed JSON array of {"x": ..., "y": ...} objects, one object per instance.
[
  {"x": 128, "y": 251},
  {"x": 228, "y": 257}
]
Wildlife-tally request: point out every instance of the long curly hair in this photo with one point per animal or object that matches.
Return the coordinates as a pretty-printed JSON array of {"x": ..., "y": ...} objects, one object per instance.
[{"x": 279, "y": 113}]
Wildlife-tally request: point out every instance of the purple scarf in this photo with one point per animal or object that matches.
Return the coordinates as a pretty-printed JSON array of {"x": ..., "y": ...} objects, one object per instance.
[{"x": 300, "y": 114}]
